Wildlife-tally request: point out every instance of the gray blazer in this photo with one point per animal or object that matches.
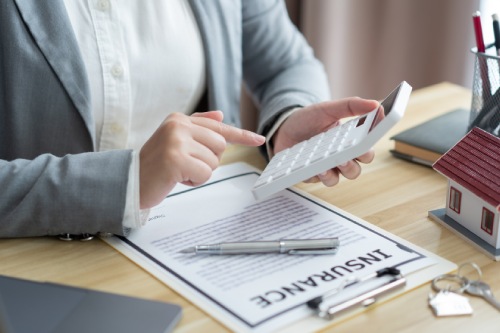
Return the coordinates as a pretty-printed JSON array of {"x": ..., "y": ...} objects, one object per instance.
[{"x": 51, "y": 180}]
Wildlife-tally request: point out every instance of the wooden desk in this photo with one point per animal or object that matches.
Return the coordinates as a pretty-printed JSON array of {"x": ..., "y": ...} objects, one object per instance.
[{"x": 392, "y": 194}]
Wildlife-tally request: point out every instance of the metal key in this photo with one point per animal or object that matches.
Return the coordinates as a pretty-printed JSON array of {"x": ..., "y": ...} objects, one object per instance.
[{"x": 482, "y": 289}]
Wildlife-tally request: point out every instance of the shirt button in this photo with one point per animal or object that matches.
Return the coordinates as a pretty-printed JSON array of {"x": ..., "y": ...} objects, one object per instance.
[
  {"x": 116, "y": 128},
  {"x": 117, "y": 71},
  {"x": 103, "y": 4}
]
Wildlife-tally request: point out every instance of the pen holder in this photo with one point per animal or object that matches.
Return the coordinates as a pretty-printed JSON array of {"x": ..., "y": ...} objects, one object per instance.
[{"x": 485, "y": 107}]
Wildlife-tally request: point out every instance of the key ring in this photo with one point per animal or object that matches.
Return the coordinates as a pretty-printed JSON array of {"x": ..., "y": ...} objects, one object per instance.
[
  {"x": 476, "y": 268},
  {"x": 461, "y": 281}
]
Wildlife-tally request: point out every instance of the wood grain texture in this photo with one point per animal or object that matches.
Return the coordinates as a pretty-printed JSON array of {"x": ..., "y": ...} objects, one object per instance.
[{"x": 391, "y": 193}]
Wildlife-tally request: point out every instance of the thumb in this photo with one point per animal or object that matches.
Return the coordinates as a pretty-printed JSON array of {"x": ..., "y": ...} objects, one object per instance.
[{"x": 214, "y": 115}]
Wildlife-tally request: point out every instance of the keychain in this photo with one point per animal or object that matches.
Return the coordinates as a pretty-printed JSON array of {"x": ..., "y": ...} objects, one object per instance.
[{"x": 448, "y": 301}]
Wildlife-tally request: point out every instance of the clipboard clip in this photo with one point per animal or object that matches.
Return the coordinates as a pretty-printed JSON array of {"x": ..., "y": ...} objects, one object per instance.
[{"x": 360, "y": 292}]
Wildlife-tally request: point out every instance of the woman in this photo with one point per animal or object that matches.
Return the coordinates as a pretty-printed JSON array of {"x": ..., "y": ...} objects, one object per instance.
[{"x": 97, "y": 102}]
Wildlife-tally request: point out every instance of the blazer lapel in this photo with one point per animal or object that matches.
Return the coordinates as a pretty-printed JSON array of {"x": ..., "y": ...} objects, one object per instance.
[
  {"x": 51, "y": 29},
  {"x": 219, "y": 23}
]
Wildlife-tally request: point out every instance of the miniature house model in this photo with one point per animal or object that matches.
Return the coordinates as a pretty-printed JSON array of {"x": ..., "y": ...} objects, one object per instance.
[{"x": 472, "y": 209}]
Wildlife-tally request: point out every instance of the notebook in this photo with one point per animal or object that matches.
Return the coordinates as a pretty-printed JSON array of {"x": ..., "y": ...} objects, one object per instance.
[
  {"x": 27, "y": 306},
  {"x": 426, "y": 142}
]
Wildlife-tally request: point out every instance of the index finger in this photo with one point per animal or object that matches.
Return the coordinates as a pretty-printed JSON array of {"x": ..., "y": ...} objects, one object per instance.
[{"x": 230, "y": 133}]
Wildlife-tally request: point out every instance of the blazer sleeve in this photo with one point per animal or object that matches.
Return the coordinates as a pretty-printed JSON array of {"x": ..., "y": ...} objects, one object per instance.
[
  {"x": 279, "y": 67},
  {"x": 50, "y": 195},
  {"x": 51, "y": 181}
]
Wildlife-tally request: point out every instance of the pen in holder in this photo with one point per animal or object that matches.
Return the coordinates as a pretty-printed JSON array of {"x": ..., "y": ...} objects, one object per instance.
[{"x": 485, "y": 106}]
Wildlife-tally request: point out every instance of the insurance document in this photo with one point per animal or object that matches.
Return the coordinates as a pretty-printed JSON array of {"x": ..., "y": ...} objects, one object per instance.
[{"x": 261, "y": 292}]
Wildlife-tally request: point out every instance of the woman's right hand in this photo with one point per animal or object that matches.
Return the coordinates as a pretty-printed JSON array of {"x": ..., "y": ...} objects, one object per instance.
[{"x": 186, "y": 149}]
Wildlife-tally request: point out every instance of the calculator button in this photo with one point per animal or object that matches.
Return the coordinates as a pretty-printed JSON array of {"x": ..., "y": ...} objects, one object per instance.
[{"x": 349, "y": 143}]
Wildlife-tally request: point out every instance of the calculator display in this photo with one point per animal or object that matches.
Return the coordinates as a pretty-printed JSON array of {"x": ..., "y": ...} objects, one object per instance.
[{"x": 385, "y": 108}]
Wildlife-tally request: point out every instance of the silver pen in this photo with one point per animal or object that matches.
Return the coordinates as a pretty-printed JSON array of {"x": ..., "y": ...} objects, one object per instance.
[{"x": 286, "y": 246}]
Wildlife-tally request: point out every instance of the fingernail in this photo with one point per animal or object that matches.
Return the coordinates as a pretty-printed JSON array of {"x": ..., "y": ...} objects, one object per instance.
[{"x": 259, "y": 137}]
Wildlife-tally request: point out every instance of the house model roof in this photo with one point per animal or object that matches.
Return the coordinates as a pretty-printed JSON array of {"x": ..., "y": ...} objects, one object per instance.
[{"x": 474, "y": 163}]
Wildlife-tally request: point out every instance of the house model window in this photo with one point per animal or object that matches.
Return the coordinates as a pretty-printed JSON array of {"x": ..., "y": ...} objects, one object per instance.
[
  {"x": 455, "y": 199},
  {"x": 487, "y": 221}
]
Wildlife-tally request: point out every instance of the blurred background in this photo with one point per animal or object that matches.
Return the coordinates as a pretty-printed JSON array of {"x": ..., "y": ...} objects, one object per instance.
[{"x": 369, "y": 46}]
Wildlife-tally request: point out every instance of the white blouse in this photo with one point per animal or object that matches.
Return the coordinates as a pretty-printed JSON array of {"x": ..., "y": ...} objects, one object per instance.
[{"x": 144, "y": 60}]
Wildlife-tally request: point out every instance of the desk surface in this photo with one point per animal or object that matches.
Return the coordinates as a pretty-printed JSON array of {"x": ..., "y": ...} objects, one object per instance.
[{"x": 392, "y": 194}]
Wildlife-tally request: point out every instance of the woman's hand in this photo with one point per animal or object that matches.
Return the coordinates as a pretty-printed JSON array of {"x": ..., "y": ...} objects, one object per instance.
[
  {"x": 317, "y": 118},
  {"x": 186, "y": 149}
]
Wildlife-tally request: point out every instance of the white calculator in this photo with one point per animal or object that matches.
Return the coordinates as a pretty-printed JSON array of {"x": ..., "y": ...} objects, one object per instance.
[{"x": 333, "y": 147}]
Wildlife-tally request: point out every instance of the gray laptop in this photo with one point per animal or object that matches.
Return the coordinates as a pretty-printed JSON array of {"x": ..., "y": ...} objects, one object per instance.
[{"x": 27, "y": 306}]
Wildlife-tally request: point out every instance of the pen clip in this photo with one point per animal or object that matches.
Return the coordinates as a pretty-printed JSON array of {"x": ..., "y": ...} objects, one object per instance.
[
  {"x": 332, "y": 250},
  {"x": 310, "y": 246},
  {"x": 334, "y": 303}
]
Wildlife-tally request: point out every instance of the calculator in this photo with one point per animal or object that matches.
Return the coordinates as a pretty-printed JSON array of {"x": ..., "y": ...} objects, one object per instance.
[{"x": 333, "y": 147}]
